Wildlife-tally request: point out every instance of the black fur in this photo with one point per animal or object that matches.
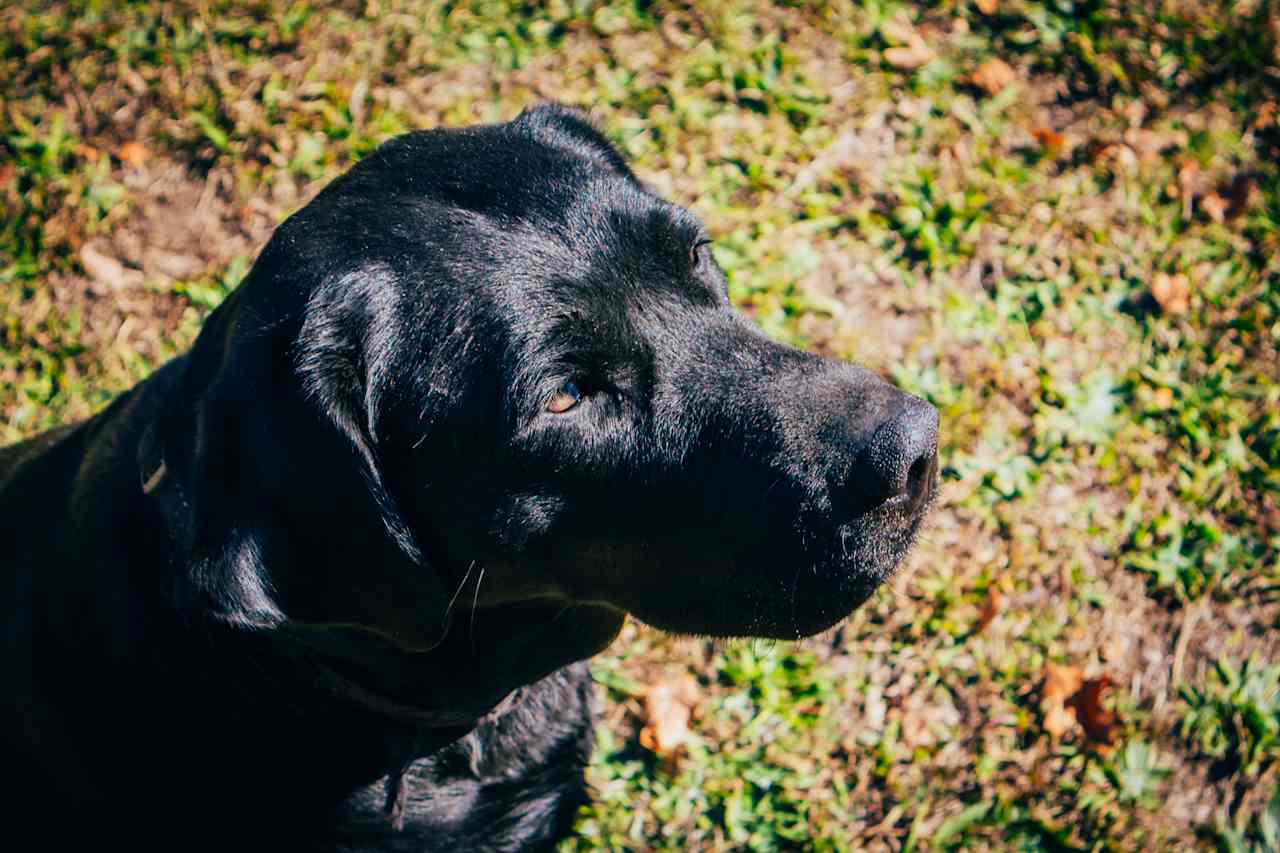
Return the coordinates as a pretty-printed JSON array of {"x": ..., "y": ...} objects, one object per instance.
[{"x": 324, "y": 582}]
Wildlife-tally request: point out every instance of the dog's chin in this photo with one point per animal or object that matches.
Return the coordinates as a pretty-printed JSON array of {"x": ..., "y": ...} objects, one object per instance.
[
  {"x": 804, "y": 600},
  {"x": 775, "y": 598},
  {"x": 779, "y": 584},
  {"x": 759, "y": 612}
]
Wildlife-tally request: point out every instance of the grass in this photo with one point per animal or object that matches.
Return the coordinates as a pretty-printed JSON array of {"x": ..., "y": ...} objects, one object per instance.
[{"x": 1081, "y": 270}]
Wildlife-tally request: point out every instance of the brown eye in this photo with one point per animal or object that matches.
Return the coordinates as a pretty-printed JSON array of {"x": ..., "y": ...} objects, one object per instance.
[{"x": 565, "y": 399}]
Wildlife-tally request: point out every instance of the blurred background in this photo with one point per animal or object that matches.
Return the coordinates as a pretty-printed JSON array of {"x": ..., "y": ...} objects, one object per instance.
[{"x": 1055, "y": 220}]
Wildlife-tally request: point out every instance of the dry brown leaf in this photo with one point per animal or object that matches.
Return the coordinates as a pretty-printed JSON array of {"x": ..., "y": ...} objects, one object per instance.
[
  {"x": 667, "y": 709},
  {"x": 1265, "y": 117},
  {"x": 87, "y": 152},
  {"x": 1231, "y": 200},
  {"x": 908, "y": 58},
  {"x": 1171, "y": 292},
  {"x": 1048, "y": 139},
  {"x": 990, "y": 608},
  {"x": 7, "y": 172},
  {"x": 1215, "y": 206},
  {"x": 1100, "y": 725},
  {"x": 987, "y": 7},
  {"x": 993, "y": 75},
  {"x": 1068, "y": 699},
  {"x": 132, "y": 154},
  {"x": 1060, "y": 684}
]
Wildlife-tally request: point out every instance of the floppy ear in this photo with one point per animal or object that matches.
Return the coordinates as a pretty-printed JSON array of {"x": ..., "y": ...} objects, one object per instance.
[
  {"x": 566, "y": 127},
  {"x": 266, "y": 471},
  {"x": 189, "y": 467}
]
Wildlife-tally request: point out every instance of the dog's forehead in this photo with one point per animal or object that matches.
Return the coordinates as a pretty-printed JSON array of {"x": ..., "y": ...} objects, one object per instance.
[
  {"x": 596, "y": 220},
  {"x": 549, "y": 170},
  {"x": 573, "y": 221},
  {"x": 532, "y": 207}
]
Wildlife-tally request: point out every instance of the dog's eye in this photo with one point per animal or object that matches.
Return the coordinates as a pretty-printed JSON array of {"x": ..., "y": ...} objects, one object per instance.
[{"x": 565, "y": 399}]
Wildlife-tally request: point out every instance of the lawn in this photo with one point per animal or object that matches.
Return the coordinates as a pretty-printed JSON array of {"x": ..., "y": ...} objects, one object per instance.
[{"x": 1059, "y": 222}]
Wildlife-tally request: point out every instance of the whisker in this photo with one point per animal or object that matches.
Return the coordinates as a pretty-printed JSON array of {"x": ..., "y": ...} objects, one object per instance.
[
  {"x": 457, "y": 592},
  {"x": 562, "y": 611},
  {"x": 474, "y": 599}
]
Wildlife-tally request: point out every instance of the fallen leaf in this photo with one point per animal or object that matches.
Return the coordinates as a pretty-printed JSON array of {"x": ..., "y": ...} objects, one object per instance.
[
  {"x": 1068, "y": 699},
  {"x": 667, "y": 709},
  {"x": 1100, "y": 725},
  {"x": 133, "y": 154},
  {"x": 987, "y": 7},
  {"x": 1265, "y": 117},
  {"x": 1060, "y": 683},
  {"x": 87, "y": 152},
  {"x": 1215, "y": 206},
  {"x": 990, "y": 608},
  {"x": 1048, "y": 139},
  {"x": 1171, "y": 292},
  {"x": 7, "y": 171},
  {"x": 993, "y": 75},
  {"x": 1230, "y": 200},
  {"x": 1163, "y": 398},
  {"x": 908, "y": 58}
]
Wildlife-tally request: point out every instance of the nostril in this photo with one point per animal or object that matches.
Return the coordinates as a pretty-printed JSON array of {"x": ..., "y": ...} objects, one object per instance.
[
  {"x": 918, "y": 472},
  {"x": 899, "y": 462}
]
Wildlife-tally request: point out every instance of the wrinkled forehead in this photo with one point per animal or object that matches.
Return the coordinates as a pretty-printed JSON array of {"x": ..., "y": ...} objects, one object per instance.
[
  {"x": 603, "y": 236},
  {"x": 582, "y": 283}
]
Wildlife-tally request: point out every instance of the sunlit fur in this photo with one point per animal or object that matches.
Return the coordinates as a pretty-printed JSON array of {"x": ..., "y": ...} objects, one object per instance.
[{"x": 349, "y": 610}]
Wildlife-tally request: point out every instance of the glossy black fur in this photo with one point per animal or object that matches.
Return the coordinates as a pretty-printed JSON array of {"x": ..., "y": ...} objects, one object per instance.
[{"x": 326, "y": 581}]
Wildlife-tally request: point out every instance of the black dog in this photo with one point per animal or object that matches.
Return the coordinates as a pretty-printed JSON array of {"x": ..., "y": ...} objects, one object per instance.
[{"x": 323, "y": 582}]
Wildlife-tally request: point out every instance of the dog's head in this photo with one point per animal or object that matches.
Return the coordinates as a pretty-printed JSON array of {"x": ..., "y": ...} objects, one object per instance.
[{"x": 488, "y": 371}]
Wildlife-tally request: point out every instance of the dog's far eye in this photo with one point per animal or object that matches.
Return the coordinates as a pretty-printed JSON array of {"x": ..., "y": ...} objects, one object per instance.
[{"x": 565, "y": 399}]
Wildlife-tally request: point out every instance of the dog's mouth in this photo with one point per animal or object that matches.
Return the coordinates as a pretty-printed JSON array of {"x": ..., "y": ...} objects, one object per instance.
[{"x": 782, "y": 585}]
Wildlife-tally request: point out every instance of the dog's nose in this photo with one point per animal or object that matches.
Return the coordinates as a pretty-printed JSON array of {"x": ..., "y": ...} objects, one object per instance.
[{"x": 900, "y": 461}]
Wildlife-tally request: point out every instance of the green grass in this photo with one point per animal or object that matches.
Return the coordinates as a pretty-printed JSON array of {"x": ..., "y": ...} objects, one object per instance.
[{"x": 1111, "y": 469}]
